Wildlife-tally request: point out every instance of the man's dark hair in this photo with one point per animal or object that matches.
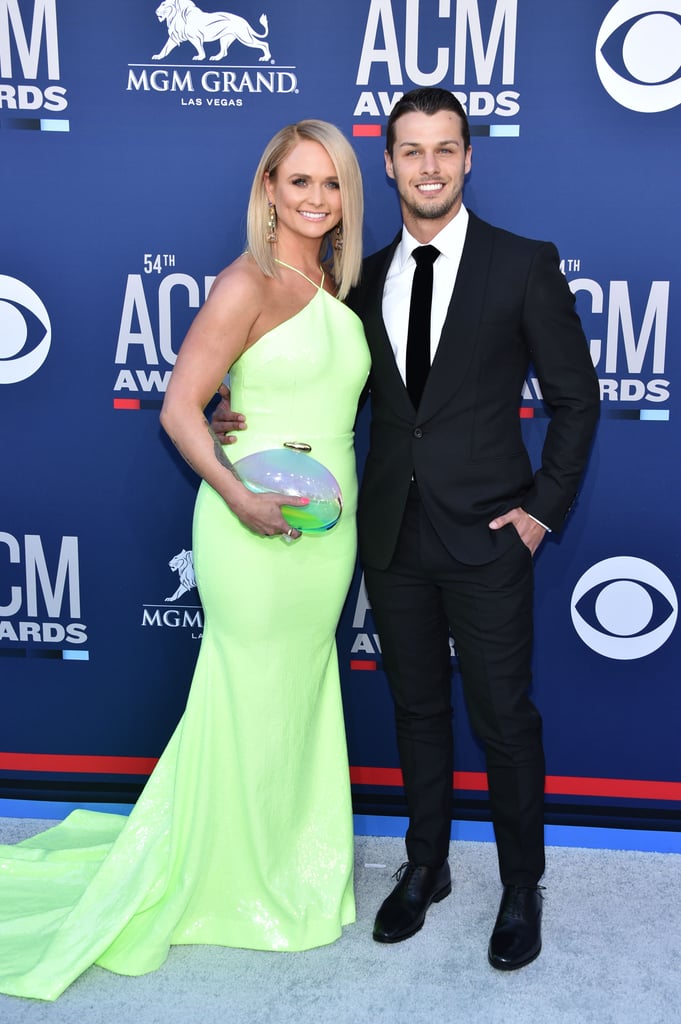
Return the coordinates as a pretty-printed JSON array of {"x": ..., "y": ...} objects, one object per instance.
[{"x": 426, "y": 101}]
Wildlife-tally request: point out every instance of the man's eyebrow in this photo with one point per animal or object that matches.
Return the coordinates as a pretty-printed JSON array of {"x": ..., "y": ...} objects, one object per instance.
[{"x": 442, "y": 142}]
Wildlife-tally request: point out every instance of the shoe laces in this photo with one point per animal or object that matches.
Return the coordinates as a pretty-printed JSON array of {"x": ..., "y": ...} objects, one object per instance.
[
  {"x": 516, "y": 901},
  {"x": 401, "y": 870}
]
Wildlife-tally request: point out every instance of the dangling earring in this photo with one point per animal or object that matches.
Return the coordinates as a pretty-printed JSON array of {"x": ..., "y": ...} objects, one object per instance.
[
  {"x": 272, "y": 223},
  {"x": 338, "y": 241}
]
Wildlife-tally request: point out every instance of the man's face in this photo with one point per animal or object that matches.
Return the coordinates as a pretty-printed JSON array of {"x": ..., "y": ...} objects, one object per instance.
[{"x": 428, "y": 164}]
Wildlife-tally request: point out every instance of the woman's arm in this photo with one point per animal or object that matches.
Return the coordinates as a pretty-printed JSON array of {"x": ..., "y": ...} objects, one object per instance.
[{"x": 217, "y": 337}]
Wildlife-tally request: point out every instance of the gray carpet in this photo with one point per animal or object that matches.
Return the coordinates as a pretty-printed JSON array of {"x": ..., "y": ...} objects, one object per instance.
[{"x": 612, "y": 955}]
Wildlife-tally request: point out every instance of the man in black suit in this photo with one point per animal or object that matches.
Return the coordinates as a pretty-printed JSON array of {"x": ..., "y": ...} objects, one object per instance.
[{"x": 450, "y": 512}]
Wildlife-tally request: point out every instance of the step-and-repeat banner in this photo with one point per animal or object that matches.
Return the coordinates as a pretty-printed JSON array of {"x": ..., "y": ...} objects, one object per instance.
[{"x": 129, "y": 134}]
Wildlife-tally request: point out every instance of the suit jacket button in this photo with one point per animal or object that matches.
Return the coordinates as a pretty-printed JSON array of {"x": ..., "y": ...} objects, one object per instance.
[{"x": 418, "y": 432}]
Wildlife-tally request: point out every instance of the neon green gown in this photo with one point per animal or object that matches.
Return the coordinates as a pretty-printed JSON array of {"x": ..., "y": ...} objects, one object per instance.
[{"x": 243, "y": 833}]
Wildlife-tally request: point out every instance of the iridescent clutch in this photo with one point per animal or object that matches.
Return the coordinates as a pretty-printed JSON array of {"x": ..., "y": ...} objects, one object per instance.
[{"x": 291, "y": 470}]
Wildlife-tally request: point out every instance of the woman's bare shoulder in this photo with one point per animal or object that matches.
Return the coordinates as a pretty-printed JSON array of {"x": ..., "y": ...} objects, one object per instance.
[{"x": 241, "y": 281}]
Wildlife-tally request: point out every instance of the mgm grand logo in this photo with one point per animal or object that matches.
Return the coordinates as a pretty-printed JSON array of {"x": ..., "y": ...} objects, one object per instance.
[
  {"x": 185, "y": 22},
  {"x": 182, "y": 616}
]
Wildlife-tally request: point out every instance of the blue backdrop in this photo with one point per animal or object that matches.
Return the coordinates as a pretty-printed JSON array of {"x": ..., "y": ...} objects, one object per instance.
[{"x": 126, "y": 156}]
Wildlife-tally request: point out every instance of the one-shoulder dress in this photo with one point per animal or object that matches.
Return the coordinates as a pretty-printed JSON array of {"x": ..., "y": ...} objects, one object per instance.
[{"x": 243, "y": 834}]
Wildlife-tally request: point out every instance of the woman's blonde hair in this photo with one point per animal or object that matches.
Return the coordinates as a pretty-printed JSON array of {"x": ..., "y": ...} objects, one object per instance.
[{"x": 347, "y": 263}]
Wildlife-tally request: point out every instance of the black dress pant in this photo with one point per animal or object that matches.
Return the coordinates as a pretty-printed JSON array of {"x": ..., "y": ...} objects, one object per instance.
[{"x": 423, "y": 594}]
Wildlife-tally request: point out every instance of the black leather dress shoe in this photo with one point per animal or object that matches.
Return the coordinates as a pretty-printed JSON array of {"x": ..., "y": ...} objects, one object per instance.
[
  {"x": 403, "y": 912},
  {"x": 516, "y": 939}
]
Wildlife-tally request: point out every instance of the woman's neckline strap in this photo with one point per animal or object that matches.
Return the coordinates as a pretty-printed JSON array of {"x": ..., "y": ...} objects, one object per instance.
[{"x": 296, "y": 271}]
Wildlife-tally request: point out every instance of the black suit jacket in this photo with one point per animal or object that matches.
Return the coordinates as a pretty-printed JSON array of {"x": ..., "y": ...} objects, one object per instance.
[{"x": 511, "y": 306}]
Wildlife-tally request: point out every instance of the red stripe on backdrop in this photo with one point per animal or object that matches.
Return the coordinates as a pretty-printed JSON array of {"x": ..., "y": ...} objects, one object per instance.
[
  {"x": 77, "y": 763},
  {"x": 366, "y": 130},
  {"x": 126, "y": 403},
  {"x": 563, "y": 785}
]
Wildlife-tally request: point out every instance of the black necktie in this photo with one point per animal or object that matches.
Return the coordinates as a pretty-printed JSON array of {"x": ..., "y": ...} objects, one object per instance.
[{"x": 418, "y": 333}]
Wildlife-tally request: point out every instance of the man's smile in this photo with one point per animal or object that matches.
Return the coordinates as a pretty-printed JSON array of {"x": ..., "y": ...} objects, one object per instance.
[{"x": 430, "y": 186}]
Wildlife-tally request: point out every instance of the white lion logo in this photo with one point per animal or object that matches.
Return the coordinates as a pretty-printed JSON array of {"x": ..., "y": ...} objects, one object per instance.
[
  {"x": 183, "y": 564},
  {"x": 186, "y": 23}
]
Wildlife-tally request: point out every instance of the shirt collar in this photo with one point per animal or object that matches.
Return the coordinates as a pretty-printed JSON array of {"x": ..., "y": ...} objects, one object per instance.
[{"x": 449, "y": 241}]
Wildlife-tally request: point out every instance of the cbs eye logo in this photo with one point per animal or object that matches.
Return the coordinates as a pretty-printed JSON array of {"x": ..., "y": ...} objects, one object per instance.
[
  {"x": 638, "y": 54},
  {"x": 624, "y": 608},
  {"x": 25, "y": 331}
]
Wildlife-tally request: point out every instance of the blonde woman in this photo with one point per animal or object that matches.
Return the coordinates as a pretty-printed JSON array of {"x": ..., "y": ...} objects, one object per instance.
[{"x": 243, "y": 834}]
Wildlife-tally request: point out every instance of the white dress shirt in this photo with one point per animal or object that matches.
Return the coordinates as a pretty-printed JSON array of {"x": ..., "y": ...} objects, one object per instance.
[{"x": 397, "y": 288}]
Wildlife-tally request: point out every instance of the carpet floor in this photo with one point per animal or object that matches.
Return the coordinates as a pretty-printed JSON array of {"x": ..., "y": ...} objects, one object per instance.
[{"x": 611, "y": 955}]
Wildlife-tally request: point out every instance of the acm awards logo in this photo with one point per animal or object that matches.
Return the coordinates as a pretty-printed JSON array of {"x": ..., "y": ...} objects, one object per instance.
[
  {"x": 627, "y": 327},
  {"x": 638, "y": 54},
  {"x": 624, "y": 608},
  {"x": 217, "y": 41},
  {"x": 181, "y": 616},
  {"x": 365, "y": 646},
  {"x": 29, "y": 61},
  {"x": 469, "y": 46},
  {"x": 156, "y": 312},
  {"x": 628, "y": 341},
  {"x": 25, "y": 331},
  {"x": 454, "y": 45},
  {"x": 41, "y": 596}
]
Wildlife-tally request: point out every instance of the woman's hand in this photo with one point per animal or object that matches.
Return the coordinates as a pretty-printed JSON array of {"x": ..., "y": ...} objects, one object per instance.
[{"x": 261, "y": 513}]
